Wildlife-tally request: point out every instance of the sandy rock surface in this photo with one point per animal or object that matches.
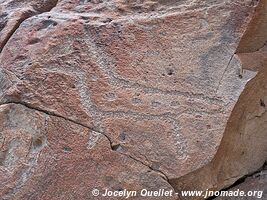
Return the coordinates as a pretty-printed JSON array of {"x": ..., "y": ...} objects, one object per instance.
[{"x": 115, "y": 94}]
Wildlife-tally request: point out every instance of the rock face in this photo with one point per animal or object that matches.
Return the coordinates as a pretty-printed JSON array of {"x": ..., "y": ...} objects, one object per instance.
[
  {"x": 243, "y": 148},
  {"x": 121, "y": 94},
  {"x": 254, "y": 187},
  {"x": 47, "y": 157},
  {"x": 14, "y": 12}
]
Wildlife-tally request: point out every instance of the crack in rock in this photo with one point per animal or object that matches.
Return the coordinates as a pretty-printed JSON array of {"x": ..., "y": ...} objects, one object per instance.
[
  {"x": 14, "y": 23},
  {"x": 94, "y": 136}
]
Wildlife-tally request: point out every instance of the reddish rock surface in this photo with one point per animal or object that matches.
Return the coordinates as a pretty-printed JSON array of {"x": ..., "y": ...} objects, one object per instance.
[
  {"x": 154, "y": 82},
  {"x": 243, "y": 149},
  {"x": 47, "y": 157},
  {"x": 14, "y": 12}
]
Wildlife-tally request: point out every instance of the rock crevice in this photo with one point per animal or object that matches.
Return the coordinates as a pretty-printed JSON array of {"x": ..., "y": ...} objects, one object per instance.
[{"x": 12, "y": 19}]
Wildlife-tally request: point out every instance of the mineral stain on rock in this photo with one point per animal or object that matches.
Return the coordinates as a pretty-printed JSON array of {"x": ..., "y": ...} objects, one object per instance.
[{"x": 130, "y": 95}]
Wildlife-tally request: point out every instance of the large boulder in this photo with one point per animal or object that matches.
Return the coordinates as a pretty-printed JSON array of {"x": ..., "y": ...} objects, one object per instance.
[{"x": 156, "y": 81}]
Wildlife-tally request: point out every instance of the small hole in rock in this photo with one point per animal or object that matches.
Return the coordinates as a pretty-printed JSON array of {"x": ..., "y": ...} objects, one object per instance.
[
  {"x": 54, "y": 23},
  {"x": 67, "y": 149},
  {"x": 116, "y": 147},
  {"x": 123, "y": 136},
  {"x": 73, "y": 86},
  {"x": 34, "y": 41},
  {"x": 262, "y": 103},
  {"x": 170, "y": 72},
  {"x": 84, "y": 17},
  {"x": 38, "y": 142},
  {"x": 108, "y": 20}
]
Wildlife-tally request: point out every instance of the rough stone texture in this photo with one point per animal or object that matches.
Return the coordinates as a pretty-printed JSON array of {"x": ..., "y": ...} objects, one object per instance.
[
  {"x": 243, "y": 148},
  {"x": 257, "y": 182},
  {"x": 252, "y": 49},
  {"x": 156, "y": 79},
  {"x": 14, "y": 12},
  {"x": 47, "y": 157},
  {"x": 135, "y": 75}
]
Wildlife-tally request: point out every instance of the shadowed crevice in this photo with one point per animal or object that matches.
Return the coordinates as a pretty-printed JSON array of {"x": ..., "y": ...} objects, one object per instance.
[
  {"x": 112, "y": 146},
  {"x": 12, "y": 24}
]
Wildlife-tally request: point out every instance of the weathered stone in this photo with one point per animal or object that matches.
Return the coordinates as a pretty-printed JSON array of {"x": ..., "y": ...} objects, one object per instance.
[
  {"x": 166, "y": 69},
  {"x": 158, "y": 78},
  {"x": 47, "y": 157},
  {"x": 254, "y": 187},
  {"x": 243, "y": 149},
  {"x": 14, "y": 12}
]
